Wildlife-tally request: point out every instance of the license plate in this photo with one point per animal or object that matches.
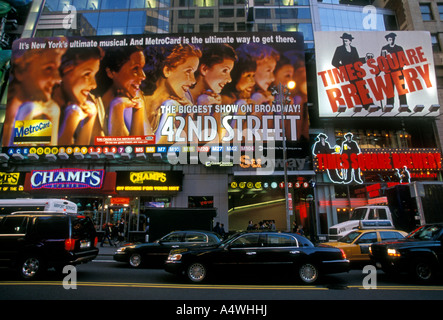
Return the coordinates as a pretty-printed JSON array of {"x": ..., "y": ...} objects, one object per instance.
[{"x": 85, "y": 244}]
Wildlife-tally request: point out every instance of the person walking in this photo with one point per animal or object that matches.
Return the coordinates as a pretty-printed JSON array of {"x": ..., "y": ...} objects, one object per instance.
[{"x": 107, "y": 235}]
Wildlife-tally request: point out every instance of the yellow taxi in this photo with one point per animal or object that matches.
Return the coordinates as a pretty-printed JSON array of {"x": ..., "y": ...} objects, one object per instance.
[{"x": 356, "y": 243}]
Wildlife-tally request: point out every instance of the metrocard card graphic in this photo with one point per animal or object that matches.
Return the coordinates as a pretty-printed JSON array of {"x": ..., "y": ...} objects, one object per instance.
[{"x": 32, "y": 131}]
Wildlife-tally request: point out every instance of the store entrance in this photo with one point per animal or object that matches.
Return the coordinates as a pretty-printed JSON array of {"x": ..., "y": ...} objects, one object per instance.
[{"x": 264, "y": 203}]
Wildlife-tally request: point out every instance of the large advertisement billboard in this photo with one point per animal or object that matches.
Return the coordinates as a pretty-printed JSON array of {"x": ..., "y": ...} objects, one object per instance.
[
  {"x": 155, "y": 90},
  {"x": 374, "y": 73}
]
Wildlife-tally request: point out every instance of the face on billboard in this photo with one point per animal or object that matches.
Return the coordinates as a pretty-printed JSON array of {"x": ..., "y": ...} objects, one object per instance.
[
  {"x": 40, "y": 77},
  {"x": 127, "y": 80},
  {"x": 151, "y": 91},
  {"x": 218, "y": 75},
  {"x": 78, "y": 81},
  {"x": 264, "y": 75},
  {"x": 181, "y": 78}
]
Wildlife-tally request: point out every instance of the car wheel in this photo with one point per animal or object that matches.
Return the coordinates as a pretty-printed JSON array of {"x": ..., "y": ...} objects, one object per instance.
[
  {"x": 31, "y": 267},
  {"x": 135, "y": 260},
  {"x": 197, "y": 272},
  {"x": 423, "y": 271},
  {"x": 308, "y": 273}
]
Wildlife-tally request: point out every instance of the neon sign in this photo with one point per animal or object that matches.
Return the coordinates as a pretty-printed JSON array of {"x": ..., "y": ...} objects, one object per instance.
[
  {"x": 346, "y": 163},
  {"x": 67, "y": 179}
]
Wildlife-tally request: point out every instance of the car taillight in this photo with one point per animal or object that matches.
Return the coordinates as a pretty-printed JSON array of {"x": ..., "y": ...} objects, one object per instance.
[
  {"x": 69, "y": 244},
  {"x": 343, "y": 254},
  {"x": 95, "y": 242}
]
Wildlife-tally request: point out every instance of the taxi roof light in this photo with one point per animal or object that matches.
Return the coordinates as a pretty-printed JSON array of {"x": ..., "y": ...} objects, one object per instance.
[{"x": 376, "y": 224}]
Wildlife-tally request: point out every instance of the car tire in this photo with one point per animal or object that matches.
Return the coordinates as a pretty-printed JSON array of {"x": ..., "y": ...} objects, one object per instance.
[
  {"x": 135, "y": 260},
  {"x": 423, "y": 271},
  {"x": 31, "y": 267},
  {"x": 308, "y": 273},
  {"x": 197, "y": 272}
]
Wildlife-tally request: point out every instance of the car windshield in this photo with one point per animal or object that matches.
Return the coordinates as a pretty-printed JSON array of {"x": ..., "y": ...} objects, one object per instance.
[
  {"x": 350, "y": 237},
  {"x": 358, "y": 214},
  {"x": 426, "y": 233}
]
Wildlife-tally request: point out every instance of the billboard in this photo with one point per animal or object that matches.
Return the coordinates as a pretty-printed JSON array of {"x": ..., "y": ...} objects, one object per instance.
[
  {"x": 155, "y": 90},
  {"x": 374, "y": 73}
]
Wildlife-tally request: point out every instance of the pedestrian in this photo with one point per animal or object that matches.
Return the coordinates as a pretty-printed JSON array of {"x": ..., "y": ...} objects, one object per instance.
[
  {"x": 107, "y": 235},
  {"x": 300, "y": 230},
  {"x": 294, "y": 226},
  {"x": 121, "y": 230},
  {"x": 272, "y": 225},
  {"x": 217, "y": 228},
  {"x": 222, "y": 230},
  {"x": 250, "y": 225}
]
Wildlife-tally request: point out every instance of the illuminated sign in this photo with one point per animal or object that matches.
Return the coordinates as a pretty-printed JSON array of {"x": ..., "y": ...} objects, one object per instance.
[
  {"x": 67, "y": 179},
  {"x": 32, "y": 131},
  {"x": 346, "y": 163},
  {"x": 149, "y": 181},
  {"x": 260, "y": 185},
  {"x": 375, "y": 73},
  {"x": 232, "y": 112},
  {"x": 141, "y": 177},
  {"x": 11, "y": 181},
  {"x": 9, "y": 178}
]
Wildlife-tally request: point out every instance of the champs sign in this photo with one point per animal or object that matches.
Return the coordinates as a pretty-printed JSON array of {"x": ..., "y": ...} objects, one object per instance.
[
  {"x": 67, "y": 179},
  {"x": 375, "y": 73}
]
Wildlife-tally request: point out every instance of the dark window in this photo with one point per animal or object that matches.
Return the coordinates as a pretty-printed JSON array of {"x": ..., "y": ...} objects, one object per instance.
[
  {"x": 13, "y": 225},
  {"x": 369, "y": 237},
  {"x": 390, "y": 235},
  {"x": 173, "y": 237},
  {"x": 195, "y": 237},
  {"x": 52, "y": 227},
  {"x": 246, "y": 241},
  {"x": 281, "y": 240},
  {"x": 82, "y": 227},
  {"x": 8, "y": 210}
]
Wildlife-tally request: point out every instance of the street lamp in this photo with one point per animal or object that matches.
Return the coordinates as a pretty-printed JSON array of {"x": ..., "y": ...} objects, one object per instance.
[{"x": 282, "y": 96}]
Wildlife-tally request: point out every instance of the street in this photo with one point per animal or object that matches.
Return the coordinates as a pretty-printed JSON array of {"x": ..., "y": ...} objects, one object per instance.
[{"x": 105, "y": 279}]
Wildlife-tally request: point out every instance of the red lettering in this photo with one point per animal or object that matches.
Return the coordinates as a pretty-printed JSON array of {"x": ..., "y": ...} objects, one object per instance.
[
  {"x": 399, "y": 82},
  {"x": 335, "y": 98},
  {"x": 351, "y": 95},
  {"x": 382, "y": 87}
]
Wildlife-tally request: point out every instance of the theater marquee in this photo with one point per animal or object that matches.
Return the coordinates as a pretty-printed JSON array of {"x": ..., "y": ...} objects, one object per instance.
[{"x": 375, "y": 74}]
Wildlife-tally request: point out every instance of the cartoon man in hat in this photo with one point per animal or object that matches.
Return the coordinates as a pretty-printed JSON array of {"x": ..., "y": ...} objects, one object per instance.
[
  {"x": 348, "y": 55},
  {"x": 321, "y": 146},
  {"x": 392, "y": 49},
  {"x": 350, "y": 147}
]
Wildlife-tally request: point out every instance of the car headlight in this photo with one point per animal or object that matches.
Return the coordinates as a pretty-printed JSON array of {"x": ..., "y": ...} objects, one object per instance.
[
  {"x": 393, "y": 253},
  {"x": 174, "y": 257}
]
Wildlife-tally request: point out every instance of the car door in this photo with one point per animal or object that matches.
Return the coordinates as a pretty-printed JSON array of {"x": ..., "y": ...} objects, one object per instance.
[
  {"x": 364, "y": 242},
  {"x": 280, "y": 251},
  {"x": 243, "y": 253},
  {"x": 157, "y": 252},
  {"x": 12, "y": 238}
]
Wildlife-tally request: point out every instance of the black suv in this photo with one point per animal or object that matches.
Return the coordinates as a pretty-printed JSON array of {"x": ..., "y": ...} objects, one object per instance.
[
  {"x": 420, "y": 253},
  {"x": 31, "y": 242}
]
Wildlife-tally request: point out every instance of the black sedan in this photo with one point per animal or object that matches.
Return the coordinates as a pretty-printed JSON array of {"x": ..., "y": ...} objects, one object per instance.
[
  {"x": 259, "y": 251},
  {"x": 155, "y": 253},
  {"x": 419, "y": 254}
]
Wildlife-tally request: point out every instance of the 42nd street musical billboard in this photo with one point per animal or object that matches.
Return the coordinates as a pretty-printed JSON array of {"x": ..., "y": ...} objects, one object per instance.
[
  {"x": 374, "y": 73},
  {"x": 155, "y": 89}
]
